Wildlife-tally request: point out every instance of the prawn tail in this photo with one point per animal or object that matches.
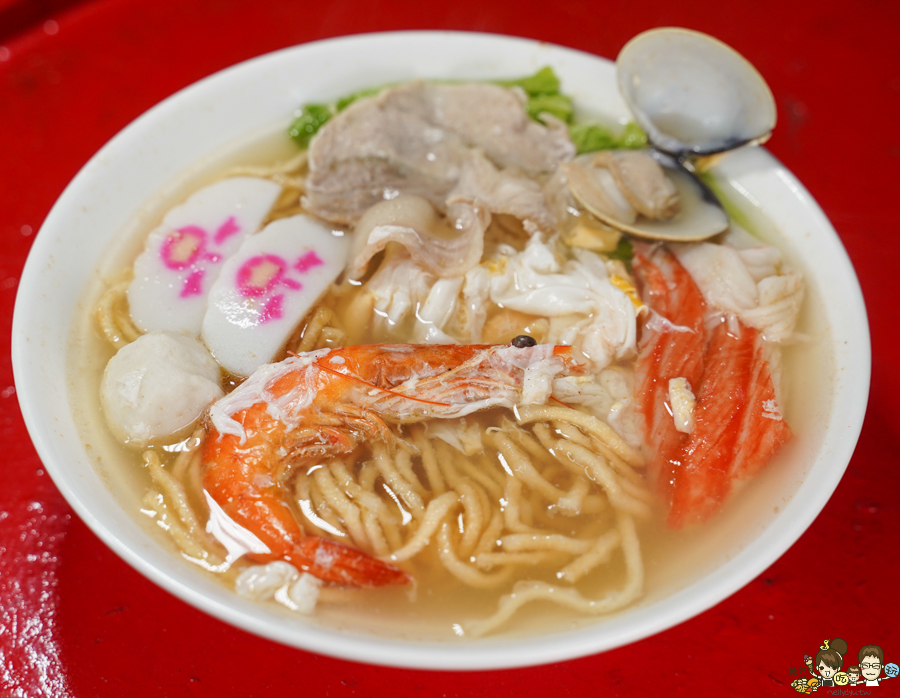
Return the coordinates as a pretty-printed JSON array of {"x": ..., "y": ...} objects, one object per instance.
[{"x": 337, "y": 563}]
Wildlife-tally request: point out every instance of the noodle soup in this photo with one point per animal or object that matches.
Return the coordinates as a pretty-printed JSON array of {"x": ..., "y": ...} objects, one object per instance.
[
  {"x": 563, "y": 505},
  {"x": 99, "y": 227}
]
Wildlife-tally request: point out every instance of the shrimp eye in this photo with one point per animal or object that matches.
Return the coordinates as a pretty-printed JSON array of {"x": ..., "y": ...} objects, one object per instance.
[{"x": 523, "y": 341}]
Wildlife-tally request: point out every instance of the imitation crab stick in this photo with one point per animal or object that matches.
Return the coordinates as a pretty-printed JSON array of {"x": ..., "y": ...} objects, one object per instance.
[{"x": 738, "y": 423}]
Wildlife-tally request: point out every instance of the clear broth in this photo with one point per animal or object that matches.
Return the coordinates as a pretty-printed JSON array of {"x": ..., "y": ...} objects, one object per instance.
[{"x": 438, "y": 604}]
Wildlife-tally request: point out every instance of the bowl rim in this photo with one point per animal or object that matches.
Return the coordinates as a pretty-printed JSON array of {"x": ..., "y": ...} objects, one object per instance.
[{"x": 50, "y": 438}]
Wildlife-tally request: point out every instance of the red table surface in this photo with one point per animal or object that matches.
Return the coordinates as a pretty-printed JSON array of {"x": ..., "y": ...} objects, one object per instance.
[{"x": 77, "y": 621}]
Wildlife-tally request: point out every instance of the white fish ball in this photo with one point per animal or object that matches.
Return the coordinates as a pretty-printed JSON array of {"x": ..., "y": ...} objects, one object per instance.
[{"x": 157, "y": 387}]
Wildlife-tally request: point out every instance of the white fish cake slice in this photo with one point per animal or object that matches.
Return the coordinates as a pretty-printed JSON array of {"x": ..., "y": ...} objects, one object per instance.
[
  {"x": 267, "y": 287},
  {"x": 184, "y": 255}
]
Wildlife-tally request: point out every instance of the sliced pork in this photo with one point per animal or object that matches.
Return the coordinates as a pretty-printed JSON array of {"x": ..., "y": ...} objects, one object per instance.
[{"x": 422, "y": 139}]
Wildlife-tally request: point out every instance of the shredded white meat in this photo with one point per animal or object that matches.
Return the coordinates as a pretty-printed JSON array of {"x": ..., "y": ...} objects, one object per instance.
[
  {"x": 754, "y": 284},
  {"x": 608, "y": 395},
  {"x": 279, "y": 581},
  {"x": 586, "y": 310},
  {"x": 401, "y": 290}
]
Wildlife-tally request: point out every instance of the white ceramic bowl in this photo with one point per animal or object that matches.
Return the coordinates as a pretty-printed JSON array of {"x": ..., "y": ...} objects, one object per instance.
[{"x": 142, "y": 163}]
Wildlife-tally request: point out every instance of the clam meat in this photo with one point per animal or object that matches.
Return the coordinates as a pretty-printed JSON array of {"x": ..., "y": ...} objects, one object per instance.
[{"x": 646, "y": 194}]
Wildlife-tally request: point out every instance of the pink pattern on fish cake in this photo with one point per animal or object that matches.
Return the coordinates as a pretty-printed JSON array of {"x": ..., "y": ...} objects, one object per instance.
[
  {"x": 245, "y": 284},
  {"x": 193, "y": 284},
  {"x": 167, "y": 251},
  {"x": 273, "y": 303},
  {"x": 226, "y": 230},
  {"x": 308, "y": 261},
  {"x": 272, "y": 310},
  {"x": 200, "y": 257}
]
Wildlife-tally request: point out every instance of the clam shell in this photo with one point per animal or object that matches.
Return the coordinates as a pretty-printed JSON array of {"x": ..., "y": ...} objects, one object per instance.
[{"x": 692, "y": 94}]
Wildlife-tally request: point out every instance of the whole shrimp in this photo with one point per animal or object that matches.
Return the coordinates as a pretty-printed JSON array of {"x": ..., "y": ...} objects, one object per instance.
[{"x": 322, "y": 404}]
